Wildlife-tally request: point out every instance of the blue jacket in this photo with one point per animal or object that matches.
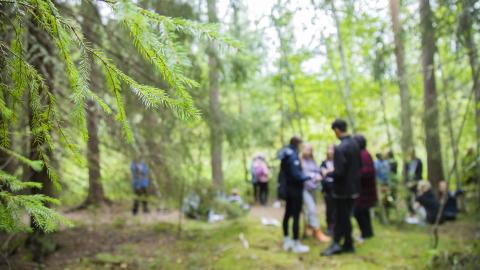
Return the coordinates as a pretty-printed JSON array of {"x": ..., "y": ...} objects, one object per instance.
[
  {"x": 139, "y": 175},
  {"x": 291, "y": 167}
]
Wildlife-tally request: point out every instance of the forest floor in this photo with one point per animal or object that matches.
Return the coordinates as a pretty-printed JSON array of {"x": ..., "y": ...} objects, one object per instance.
[{"x": 111, "y": 238}]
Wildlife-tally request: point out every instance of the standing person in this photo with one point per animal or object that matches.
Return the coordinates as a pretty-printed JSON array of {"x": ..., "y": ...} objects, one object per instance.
[
  {"x": 261, "y": 173},
  {"x": 368, "y": 190},
  {"x": 326, "y": 169},
  {"x": 382, "y": 170},
  {"x": 414, "y": 172},
  {"x": 255, "y": 186},
  {"x": 393, "y": 166},
  {"x": 346, "y": 186},
  {"x": 293, "y": 177},
  {"x": 140, "y": 184},
  {"x": 310, "y": 168}
]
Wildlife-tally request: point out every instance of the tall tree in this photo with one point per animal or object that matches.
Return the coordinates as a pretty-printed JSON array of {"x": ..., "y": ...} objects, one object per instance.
[
  {"x": 405, "y": 109},
  {"x": 215, "y": 121},
  {"x": 346, "y": 75},
  {"x": 283, "y": 27},
  {"x": 467, "y": 33},
  {"x": 432, "y": 136},
  {"x": 96, "y": 195}
]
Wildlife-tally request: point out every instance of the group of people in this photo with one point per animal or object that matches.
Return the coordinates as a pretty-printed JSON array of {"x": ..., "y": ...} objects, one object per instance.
[{"x": 348, "y": 179}]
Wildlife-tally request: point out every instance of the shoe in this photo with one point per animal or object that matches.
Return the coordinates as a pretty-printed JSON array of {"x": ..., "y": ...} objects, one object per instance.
[
  {"x": 360, "y": 240},
  {"x": 348, "y": 249},
  {"x": 308, "y": 231},
  {"x": 333, "y": 249},
  {"x": 299, "y": 248},
  {"x": 320, "y": 236},
  {"x": 287, "y": 244}
]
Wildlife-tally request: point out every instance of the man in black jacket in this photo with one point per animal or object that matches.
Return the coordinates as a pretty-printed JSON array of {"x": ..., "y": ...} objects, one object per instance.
[
  {"x": 346, "y": 187},
  {"x": 293, "y": 177}
]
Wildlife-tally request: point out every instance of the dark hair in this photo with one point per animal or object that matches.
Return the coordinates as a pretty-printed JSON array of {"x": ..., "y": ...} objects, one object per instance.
[
  {"x": 378, "y": 155},
  {"x": 339, "y": 124},
  {"x": 295, "y": 141},
  {"x": 361, "y": 141},
  {"x": 390, "y": 154}
]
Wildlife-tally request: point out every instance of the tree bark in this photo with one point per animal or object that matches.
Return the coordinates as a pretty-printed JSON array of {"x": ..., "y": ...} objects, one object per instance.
[
  {"x": 472, "y": 52},
  {"x": 405, "y": 108},
  {"x": 96, "y": 195},
  {"x": 432, "y": 138},
  {"x": 215, "y": 123}
]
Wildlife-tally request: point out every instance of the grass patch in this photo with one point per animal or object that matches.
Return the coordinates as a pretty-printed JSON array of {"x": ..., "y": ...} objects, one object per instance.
[{"x": 218, "y": 246}]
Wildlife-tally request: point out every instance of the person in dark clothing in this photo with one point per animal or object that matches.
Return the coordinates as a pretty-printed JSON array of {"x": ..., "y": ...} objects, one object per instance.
[
  {"x": 346, "y": 186},
  {"x": 450, "y": 210},
  {"x": 291, "y": 171},
  {"x": 368, "y": 190},
  {"x": 427, "y": 199},
  {"x": 326, "y": 169},
  {"x": 413, "y": 171},
  {"x": 140, "y": 184}
]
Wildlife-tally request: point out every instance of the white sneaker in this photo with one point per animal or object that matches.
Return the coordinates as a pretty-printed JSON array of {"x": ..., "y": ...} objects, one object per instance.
[
  {"x": 299, "y": 248},
  {"x": 287, "y": 244}
]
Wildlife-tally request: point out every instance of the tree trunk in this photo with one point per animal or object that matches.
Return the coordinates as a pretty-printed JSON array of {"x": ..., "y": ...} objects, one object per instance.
[
  {"x": 432, "y": 138},
  {"x": 346, "y": 75},
  {"x": 215, "y": 124},
  {"x": 96, "y": 194},
  {"x": 384, "y": 113},
  {"x": 405, "y": 109},
  {"x": 475, "y": 70}
]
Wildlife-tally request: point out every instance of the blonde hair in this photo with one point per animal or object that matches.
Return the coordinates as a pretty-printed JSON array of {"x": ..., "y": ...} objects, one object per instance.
[{"x": 423, "y": 186}]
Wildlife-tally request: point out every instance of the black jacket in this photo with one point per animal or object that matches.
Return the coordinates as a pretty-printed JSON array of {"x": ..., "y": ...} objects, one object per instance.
[
  {"x": 431, "y": 205},
  {"x": 347, "y": 163},
  {"x": 417, "y": 170},
  {"x": 291, "y": 168}
]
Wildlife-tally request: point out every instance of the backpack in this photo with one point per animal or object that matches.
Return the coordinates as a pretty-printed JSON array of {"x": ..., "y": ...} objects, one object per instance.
[{"x": 260, "y": 171}]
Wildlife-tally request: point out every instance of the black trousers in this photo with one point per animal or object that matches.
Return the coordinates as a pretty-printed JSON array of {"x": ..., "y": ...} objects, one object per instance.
[
  {"x": 263, "y": 190},
  {"x": 362, "y": 215},
  {"x": 293, "y": 209},
  {"x": 343, "y": 225},
  {"x": 329, "y": 209},
  {"x": 256, "y": 192},
  {"x": 140, "y": 196}
]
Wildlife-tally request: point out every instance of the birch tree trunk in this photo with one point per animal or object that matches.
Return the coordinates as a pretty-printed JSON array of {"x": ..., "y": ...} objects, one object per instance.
[
  {"x": 215, "y": 123},
  {"x": 405, "y": 108},
  {"x": 345, "y": 73}
]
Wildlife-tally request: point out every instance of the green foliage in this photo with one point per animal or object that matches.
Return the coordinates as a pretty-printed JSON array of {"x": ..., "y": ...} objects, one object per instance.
[{"x": 153, "y": 35}]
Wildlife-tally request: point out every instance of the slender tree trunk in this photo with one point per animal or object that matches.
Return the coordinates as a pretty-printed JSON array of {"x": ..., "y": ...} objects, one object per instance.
[
  {"x": 451, "y": 132},
  {"x": 475, "y": 70},
  {"x": 216, "y": 134},
  {"x": 405, "y": 108},
  {"x": 346, "y": 75},
  {"x": 384, "y": 113},
  {"x": 96, "y": 194},
  {"x": 432, "y": 138}
]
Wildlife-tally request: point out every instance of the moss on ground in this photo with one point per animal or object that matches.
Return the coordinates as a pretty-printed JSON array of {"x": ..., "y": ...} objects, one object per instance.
[{"x": 218, "y": 246}]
